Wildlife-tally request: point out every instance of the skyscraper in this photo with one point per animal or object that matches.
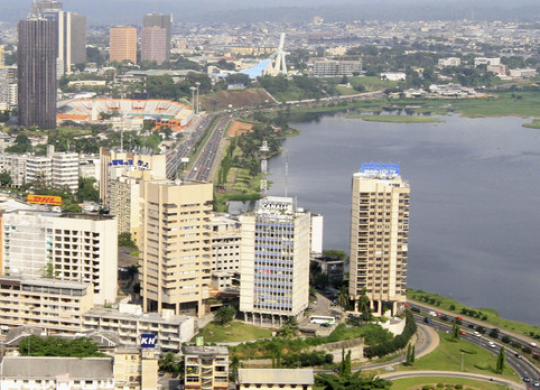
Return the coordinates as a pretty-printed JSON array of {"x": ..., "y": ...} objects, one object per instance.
[
  {"x": 71, "y": 34},
  {"x": 37, "y": 52},
  {"x": 176, "y": 250},
  {"x": 379, "y": 236},
  {"x": 154, "y": 44},
  {"x": 162, "y": 21},
  {"x": 123, "y": 44},
  {"x": 274, "y": 262}
]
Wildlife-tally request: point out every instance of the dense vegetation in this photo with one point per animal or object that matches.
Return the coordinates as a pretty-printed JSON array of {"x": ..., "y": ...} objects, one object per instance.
[{"x": 58, "y": 346}]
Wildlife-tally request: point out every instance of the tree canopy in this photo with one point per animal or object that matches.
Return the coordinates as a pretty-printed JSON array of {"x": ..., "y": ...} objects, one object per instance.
[{"x": 58, "y": 346}]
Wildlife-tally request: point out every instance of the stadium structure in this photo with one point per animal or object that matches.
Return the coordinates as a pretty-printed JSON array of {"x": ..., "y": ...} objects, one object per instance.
[
  {"x": 274, "y": 65},
  {"x": 165, "y": 113}
]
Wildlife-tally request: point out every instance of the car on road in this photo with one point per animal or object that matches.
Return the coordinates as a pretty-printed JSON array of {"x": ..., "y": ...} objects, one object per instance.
[
  {"x": 492, "y": 344},
  {"x": 536, "y": 384},
  {"x": 477, "y": 334},
  {"x": 526, "y": 379},
  {"x": 459, "y": 318},
  {"x": 472, "y": 326},
  {"x": 462, "y": 332},
  {"x": 517, "y": 355},
  {"x": 534, "y": 345},
  {"x": 427, "y": 320}
]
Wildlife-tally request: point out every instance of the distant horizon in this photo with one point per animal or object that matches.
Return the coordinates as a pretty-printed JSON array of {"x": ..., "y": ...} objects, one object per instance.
[{"x": 116, "y": 12}]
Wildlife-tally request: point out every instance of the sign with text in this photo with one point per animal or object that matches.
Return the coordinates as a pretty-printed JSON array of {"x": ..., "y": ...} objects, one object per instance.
[
  {"x": 380, "y": 168},
  {"x": 148, "y": 340},
  {"x": 45, "y": 199}
]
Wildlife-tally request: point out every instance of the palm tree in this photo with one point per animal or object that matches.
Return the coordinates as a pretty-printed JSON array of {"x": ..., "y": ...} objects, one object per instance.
[
  {"x": 343, "y": 298},
  {"x": 364, "y": 306}
]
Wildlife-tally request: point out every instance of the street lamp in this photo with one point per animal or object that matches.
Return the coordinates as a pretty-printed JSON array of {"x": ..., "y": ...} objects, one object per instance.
[
  {"x": 193, "y": 98},
  {"x": 197, "y": 106}
]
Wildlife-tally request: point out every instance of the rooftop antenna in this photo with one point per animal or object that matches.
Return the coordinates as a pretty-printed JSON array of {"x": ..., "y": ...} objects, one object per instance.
[
  {"x": 264, "y": 168},
  {"x": 286, "y": 172}
]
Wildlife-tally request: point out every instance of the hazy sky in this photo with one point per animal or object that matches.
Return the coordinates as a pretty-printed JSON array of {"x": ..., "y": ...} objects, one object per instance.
[{"x": 131, "y": 11}]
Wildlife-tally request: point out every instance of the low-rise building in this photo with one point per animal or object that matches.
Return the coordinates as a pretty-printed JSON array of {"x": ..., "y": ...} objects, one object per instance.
[
  {"x": 266, "y": 379},
  {"x": 61, "y": 373},
  {"x": 130, "y": 324},
  {"x": 206, "y": 368},
  {"x": 55, "y": 305}
]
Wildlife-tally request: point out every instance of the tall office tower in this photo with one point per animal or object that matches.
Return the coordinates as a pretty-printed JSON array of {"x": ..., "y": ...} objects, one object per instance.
[
  {"x": 71, "y": 34},
  {"x": 37, "y": 52},
  {"x": 154, "y": 44},
  {"x": 8, "y": 86},
  {"x": 2, "y": 49},
  {"x": 274, "y": 262},
  {"x": 379, "y": 235},
  {"x": 176, "y": 258},
  {"x": 162, "y": 21},
  {"x": 123, "y": 44}
]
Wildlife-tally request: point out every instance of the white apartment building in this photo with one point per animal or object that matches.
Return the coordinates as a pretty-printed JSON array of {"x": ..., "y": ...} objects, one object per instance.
[
  {"x": 274, "y": 264},
  {"x": 226, "y": 240},
  {"x": 379, "y": 235},
  {"x": 38, "y": 170},
  {"x": 77, "y": 247},
  {"x": 487, "y": 61},
  {"x": 176, "y": 249},
  {"x": 450, "y": 61},
  {"x": 65, "y": 170},
  {"x": 8, "y": 86},
  {"x": 55, "y": 305}
]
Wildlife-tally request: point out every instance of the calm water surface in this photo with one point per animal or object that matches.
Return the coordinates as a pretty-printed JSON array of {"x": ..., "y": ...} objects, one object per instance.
[{"x": 475, "y": 186}]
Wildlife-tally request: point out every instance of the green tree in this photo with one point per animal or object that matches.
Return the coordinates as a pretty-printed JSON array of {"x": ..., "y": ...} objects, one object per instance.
[
  {"x": 455, "y": 330},
  {"x": 413, "y": 354},
  {"x": 225, "y": 314},
  {"x": 343, "y": 297},
  {"x": 22, "y": 145},
  {"x": 290, "y": 329},
  {"x": 169, "y": 363},
  {"x": 409, "y": 351},
  {"x": 133, "y": 270},
  {"x": 364, "y": 306},
  {"x": 350, "y": 382},
  {"x": 500, "y": 360},
  {"x": 87, "y": 190},
  {"x": 5, "y": 179},
  {"x": 124, "y": 239}
]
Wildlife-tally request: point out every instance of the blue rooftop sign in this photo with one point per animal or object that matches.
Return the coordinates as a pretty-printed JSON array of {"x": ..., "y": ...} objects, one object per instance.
[
  {"x": 148, "y": 340},
  {"x": 380, "y": 168}
]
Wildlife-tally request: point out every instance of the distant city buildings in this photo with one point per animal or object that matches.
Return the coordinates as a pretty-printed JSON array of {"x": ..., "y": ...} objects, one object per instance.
[
  {"x": 37, "y": 54},
  {"x": 8, "y": 87},
  {"x": 71, "y": 34},
  {"x": 325, "y": 67},
  {"x": 161, "y": 21},
  {"x": 123, "y": 44},
  {"x": 379, "y": 236},
  {"x": 274, "y": 266},
  {"x": 154, "y": 44}
]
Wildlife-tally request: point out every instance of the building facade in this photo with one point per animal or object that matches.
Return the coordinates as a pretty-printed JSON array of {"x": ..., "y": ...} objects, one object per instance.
[
  {"x": 65, "y": 170},
  {"x": 161, "y": 21},
  {"x": 176, "y": 257},
  {"x": 37, "y": 52},
  {"x": 274, "y": 265},
  {"x": 123, "y": 44},
  {"x": 266, "y": 379},
  {"x": 226, "y": 242},
  {"x": 70, "y": 247},
  {"x": 379, "y": 236},
  {"x": 206, "y": 368},
  {"x": 8, "y": 87},
  {"x": 154, "y": 44}
]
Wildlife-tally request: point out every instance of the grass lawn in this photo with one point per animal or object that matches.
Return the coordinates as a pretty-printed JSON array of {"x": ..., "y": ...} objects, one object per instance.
[
  {"x": 491, "y": 314},
  {"x": 234, "y": 331},
  {"x": 344, "y": 90},
  {"x": 397, "y": 118},
  {"x": 534, "y": 125},
  {"x": 448, "y": 357},
  {"x": 418, "y": 383}
]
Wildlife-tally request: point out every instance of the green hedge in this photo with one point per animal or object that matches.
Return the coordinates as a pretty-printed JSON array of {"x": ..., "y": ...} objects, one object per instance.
[{"x": 397, "y": 343}]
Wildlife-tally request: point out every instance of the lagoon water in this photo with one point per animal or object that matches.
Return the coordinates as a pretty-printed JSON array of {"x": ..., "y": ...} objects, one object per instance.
[{"x": 475, "y": 192}]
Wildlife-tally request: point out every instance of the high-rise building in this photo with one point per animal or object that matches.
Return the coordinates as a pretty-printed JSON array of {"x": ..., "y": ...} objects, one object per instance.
[
  {"x": 8, "y": 86},
  {"x": 274, "y": 262},
  {"x": 37, "y": 52},
  {"x": 123, "y": 44},
  {"x": 71, "y": 34},
  {"x": 162, "y": 21},
  {"x": 176, "y": 258},
  {"x": 379, "y": 236},
  {"x": 76, "y": 247},
  {"x": 65, "y": 170},
  {"x": 154, "y": 44}
]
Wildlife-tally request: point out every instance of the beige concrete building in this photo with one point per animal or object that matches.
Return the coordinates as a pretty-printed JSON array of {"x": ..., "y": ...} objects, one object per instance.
[
  {"x": 77, "y": 247},
  {"x": 55, "y": 305},
  {"x": 123, "y": 44},
  {"x": 135, "y": 369},
  {"x": 170, "y": 331},
  {"x": 226, "y": 240},
  {"x": 267, "y": 379},
  {"x": 379, "y": 235},
  {"x": 117, "y": 163},
  {"x": 176, "y": 250},
  {"x": 206, "y": 368},
  {"x": 274, "y": 267}
]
